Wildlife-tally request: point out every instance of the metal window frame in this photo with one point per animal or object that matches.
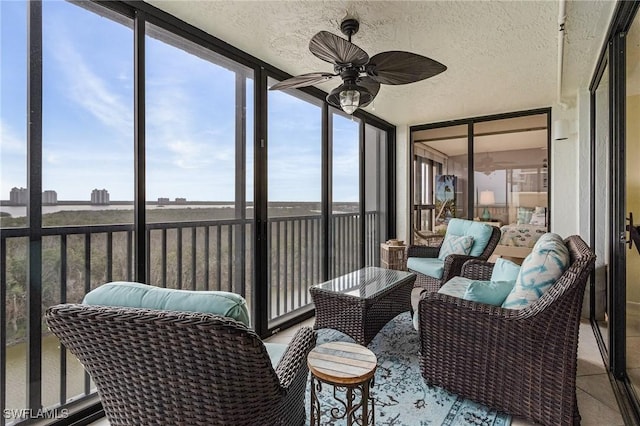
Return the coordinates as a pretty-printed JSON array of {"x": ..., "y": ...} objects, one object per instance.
[
  {"x": 613, "y": 352},
  {"x": 469, "y": 122},
  {"x": 143, "y": 13}
]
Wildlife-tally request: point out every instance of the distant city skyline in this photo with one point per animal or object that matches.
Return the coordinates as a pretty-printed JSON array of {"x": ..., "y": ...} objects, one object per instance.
[{"x": 87, "y": 134}]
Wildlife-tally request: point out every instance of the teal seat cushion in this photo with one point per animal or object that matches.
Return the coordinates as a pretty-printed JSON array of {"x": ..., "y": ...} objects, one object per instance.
[
  {"x": 432, "y": 267},
  {"x": 275, "y": 351},
  {"x": 481, "y": 233},
  {"x": 488, "y": 292},
  {"x": 456, "y": 287},
  {"x": 137, "y": 295},
  {"x": 546, "y": 263},
  {"x": 505, "y": 270}
]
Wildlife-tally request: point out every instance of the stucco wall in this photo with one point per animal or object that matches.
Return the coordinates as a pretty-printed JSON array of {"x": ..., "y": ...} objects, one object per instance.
[
  {"x": 584, "y": 165},
  {"x": 402, "y": 179},
  {"x": 564, "y": 175}
]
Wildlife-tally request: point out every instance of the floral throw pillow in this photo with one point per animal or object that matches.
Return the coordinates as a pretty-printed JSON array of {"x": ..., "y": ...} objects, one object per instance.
[{"x": 455, "y": 244}]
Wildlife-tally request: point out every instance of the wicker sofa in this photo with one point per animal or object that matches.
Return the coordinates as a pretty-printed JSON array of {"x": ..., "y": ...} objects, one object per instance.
[
  {"x": 522, "y": 362},
  {"x": 168, "y": 367},
  {"x": 452, "y": 264}
]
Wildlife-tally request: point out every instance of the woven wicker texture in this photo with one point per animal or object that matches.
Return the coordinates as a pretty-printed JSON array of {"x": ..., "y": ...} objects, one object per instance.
[
  {"x": 452, "y": 264},
  {"x": 358, "y": 317},
  {"x": 179, "y": 368},
  {"x": 519, "y": 362}
]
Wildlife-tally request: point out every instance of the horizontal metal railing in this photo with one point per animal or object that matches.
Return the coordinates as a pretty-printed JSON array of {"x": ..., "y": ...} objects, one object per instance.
[{"x": 198, "y": 255}]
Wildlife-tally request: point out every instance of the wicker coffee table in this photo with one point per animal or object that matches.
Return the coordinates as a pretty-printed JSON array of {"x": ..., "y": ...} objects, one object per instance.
[{"x": 359, "y": 304}]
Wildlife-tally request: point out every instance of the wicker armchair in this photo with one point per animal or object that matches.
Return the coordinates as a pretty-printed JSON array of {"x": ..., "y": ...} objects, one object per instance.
[
  {"x": 522, "y": 362},
  {"x": 452, "y": 266},
  {"x": 183, "y": 368}
]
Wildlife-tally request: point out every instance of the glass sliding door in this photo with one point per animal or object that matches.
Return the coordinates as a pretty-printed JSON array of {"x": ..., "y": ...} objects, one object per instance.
[
  {"x": 345, "y": 195},
  {"x": 294, "y": 180},
  {"x": 632, "y": 153},
  {"x": 13, "y": 183},
  {"x": 602, "y": 203},
  {"x": 87, "y": 169},
  {"x": 440, "y": 179},
  {"x": 510, "y": 163},
  {"x": 375, "y": 190},
  {"x": 199, "y": 224}
]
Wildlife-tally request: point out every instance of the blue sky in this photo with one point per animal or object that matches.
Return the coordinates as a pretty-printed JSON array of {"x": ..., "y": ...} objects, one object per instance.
[{"x": 190, "y": 133}]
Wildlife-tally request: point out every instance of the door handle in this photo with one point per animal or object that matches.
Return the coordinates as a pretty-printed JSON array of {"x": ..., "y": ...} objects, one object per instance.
[{"x": 634, "y": 233}]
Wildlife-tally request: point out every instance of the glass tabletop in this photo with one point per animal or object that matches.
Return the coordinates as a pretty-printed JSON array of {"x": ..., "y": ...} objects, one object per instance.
[{"x": 366, "y": 282}]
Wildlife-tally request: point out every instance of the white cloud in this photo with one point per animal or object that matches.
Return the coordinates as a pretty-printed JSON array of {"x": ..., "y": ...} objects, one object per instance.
[
  {"x": 52, "y": 158},
  {"x": 170, "y": 124},
  {"x": 10, "y": 142},
  {"x": 89, "y": 90}
]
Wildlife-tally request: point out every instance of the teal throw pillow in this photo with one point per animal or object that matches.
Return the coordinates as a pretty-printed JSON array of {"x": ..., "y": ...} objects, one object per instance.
[
  {"x": 524, "y": 215},
  {"x": 488, "y": 292},
  {"x": 481, "y": 233},
  {"x": 505, "y": 270},
  {"x": 455, "y": 244},
  {"x": 546, "y": 263}
]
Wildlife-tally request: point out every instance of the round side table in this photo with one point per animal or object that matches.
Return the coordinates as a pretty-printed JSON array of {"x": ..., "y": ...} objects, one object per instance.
[{"x": 349, "y": 368}]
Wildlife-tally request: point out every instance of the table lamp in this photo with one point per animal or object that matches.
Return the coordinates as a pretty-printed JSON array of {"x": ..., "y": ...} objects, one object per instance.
[{"x": 487, "y": 198}]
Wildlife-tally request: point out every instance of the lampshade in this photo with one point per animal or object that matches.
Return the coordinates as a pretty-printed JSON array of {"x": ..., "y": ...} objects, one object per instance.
[
  {"x": 349, "y": 96},
  {"x": 487, "y": 198}
]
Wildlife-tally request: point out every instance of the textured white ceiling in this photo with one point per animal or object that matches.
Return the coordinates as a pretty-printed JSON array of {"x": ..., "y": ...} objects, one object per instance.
[{"x": 501, "y": 55}]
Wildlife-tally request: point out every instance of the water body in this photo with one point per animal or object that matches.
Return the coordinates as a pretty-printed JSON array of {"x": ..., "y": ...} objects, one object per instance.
[
  {"x": 21, "y": 211},
  {"x": 17, "y": 374}
]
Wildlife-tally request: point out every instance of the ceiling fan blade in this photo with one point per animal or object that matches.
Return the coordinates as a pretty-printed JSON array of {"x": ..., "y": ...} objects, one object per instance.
[
  {"x": 331, "y": 48},
  {"x": 397, "y": 67},
  {"x": 303, "y": 80},
  {"x": 372, "y": 86}
]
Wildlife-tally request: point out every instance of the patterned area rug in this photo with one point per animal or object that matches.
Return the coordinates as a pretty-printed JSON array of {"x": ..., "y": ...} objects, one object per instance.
[{"x": 401, "y": 395}]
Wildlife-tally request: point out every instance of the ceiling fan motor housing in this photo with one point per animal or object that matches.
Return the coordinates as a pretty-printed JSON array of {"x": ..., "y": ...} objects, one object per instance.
[{"x": 349, "y": 27}]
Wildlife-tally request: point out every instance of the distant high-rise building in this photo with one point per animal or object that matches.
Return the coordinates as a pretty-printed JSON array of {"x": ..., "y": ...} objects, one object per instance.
[
  {"x": 18, "y": 196},
  {"x": 181, "y": 200},
  {"x": 162, "y": 201},
  {"x": 49, "y": 197},
  {"x": 100, "y": 196}
]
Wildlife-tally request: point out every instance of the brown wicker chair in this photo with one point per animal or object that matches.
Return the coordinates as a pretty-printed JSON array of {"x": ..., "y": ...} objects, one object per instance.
[
  {"x": 183, "y": 368},
  {"x": 522, "y": 362},
  {"x": 452, "y": 266}
]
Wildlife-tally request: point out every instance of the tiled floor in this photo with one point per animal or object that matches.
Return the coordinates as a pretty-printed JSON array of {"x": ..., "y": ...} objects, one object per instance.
[
  {"x": 633, "y": 345},
  {"x": 596, "y": 401}
]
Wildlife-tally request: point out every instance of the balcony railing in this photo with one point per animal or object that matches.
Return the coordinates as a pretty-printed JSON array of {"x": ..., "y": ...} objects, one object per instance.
[{"x": 199, "y": 255}]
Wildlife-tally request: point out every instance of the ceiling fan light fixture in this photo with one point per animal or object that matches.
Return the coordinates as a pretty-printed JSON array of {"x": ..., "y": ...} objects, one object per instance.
[
  {"x": 349, "y": 101},
  {"x": 349, "y": 97}
]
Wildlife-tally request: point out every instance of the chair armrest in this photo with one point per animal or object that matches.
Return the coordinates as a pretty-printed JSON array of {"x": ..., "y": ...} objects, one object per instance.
[
  {"x": 477, "y": 270},
  {"x": 422, "y": 251},
  {"x": 453, "y": 266},
  {"x": 294, "y": 360}
]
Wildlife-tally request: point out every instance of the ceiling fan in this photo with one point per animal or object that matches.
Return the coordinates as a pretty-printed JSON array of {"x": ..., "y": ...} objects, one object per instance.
[
  {"x": 360, "y": 74},
  {"x": 487, "y": 165}
]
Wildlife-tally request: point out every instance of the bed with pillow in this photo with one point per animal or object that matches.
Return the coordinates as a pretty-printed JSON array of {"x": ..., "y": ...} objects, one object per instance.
[{"x": 517, "y": 239}]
